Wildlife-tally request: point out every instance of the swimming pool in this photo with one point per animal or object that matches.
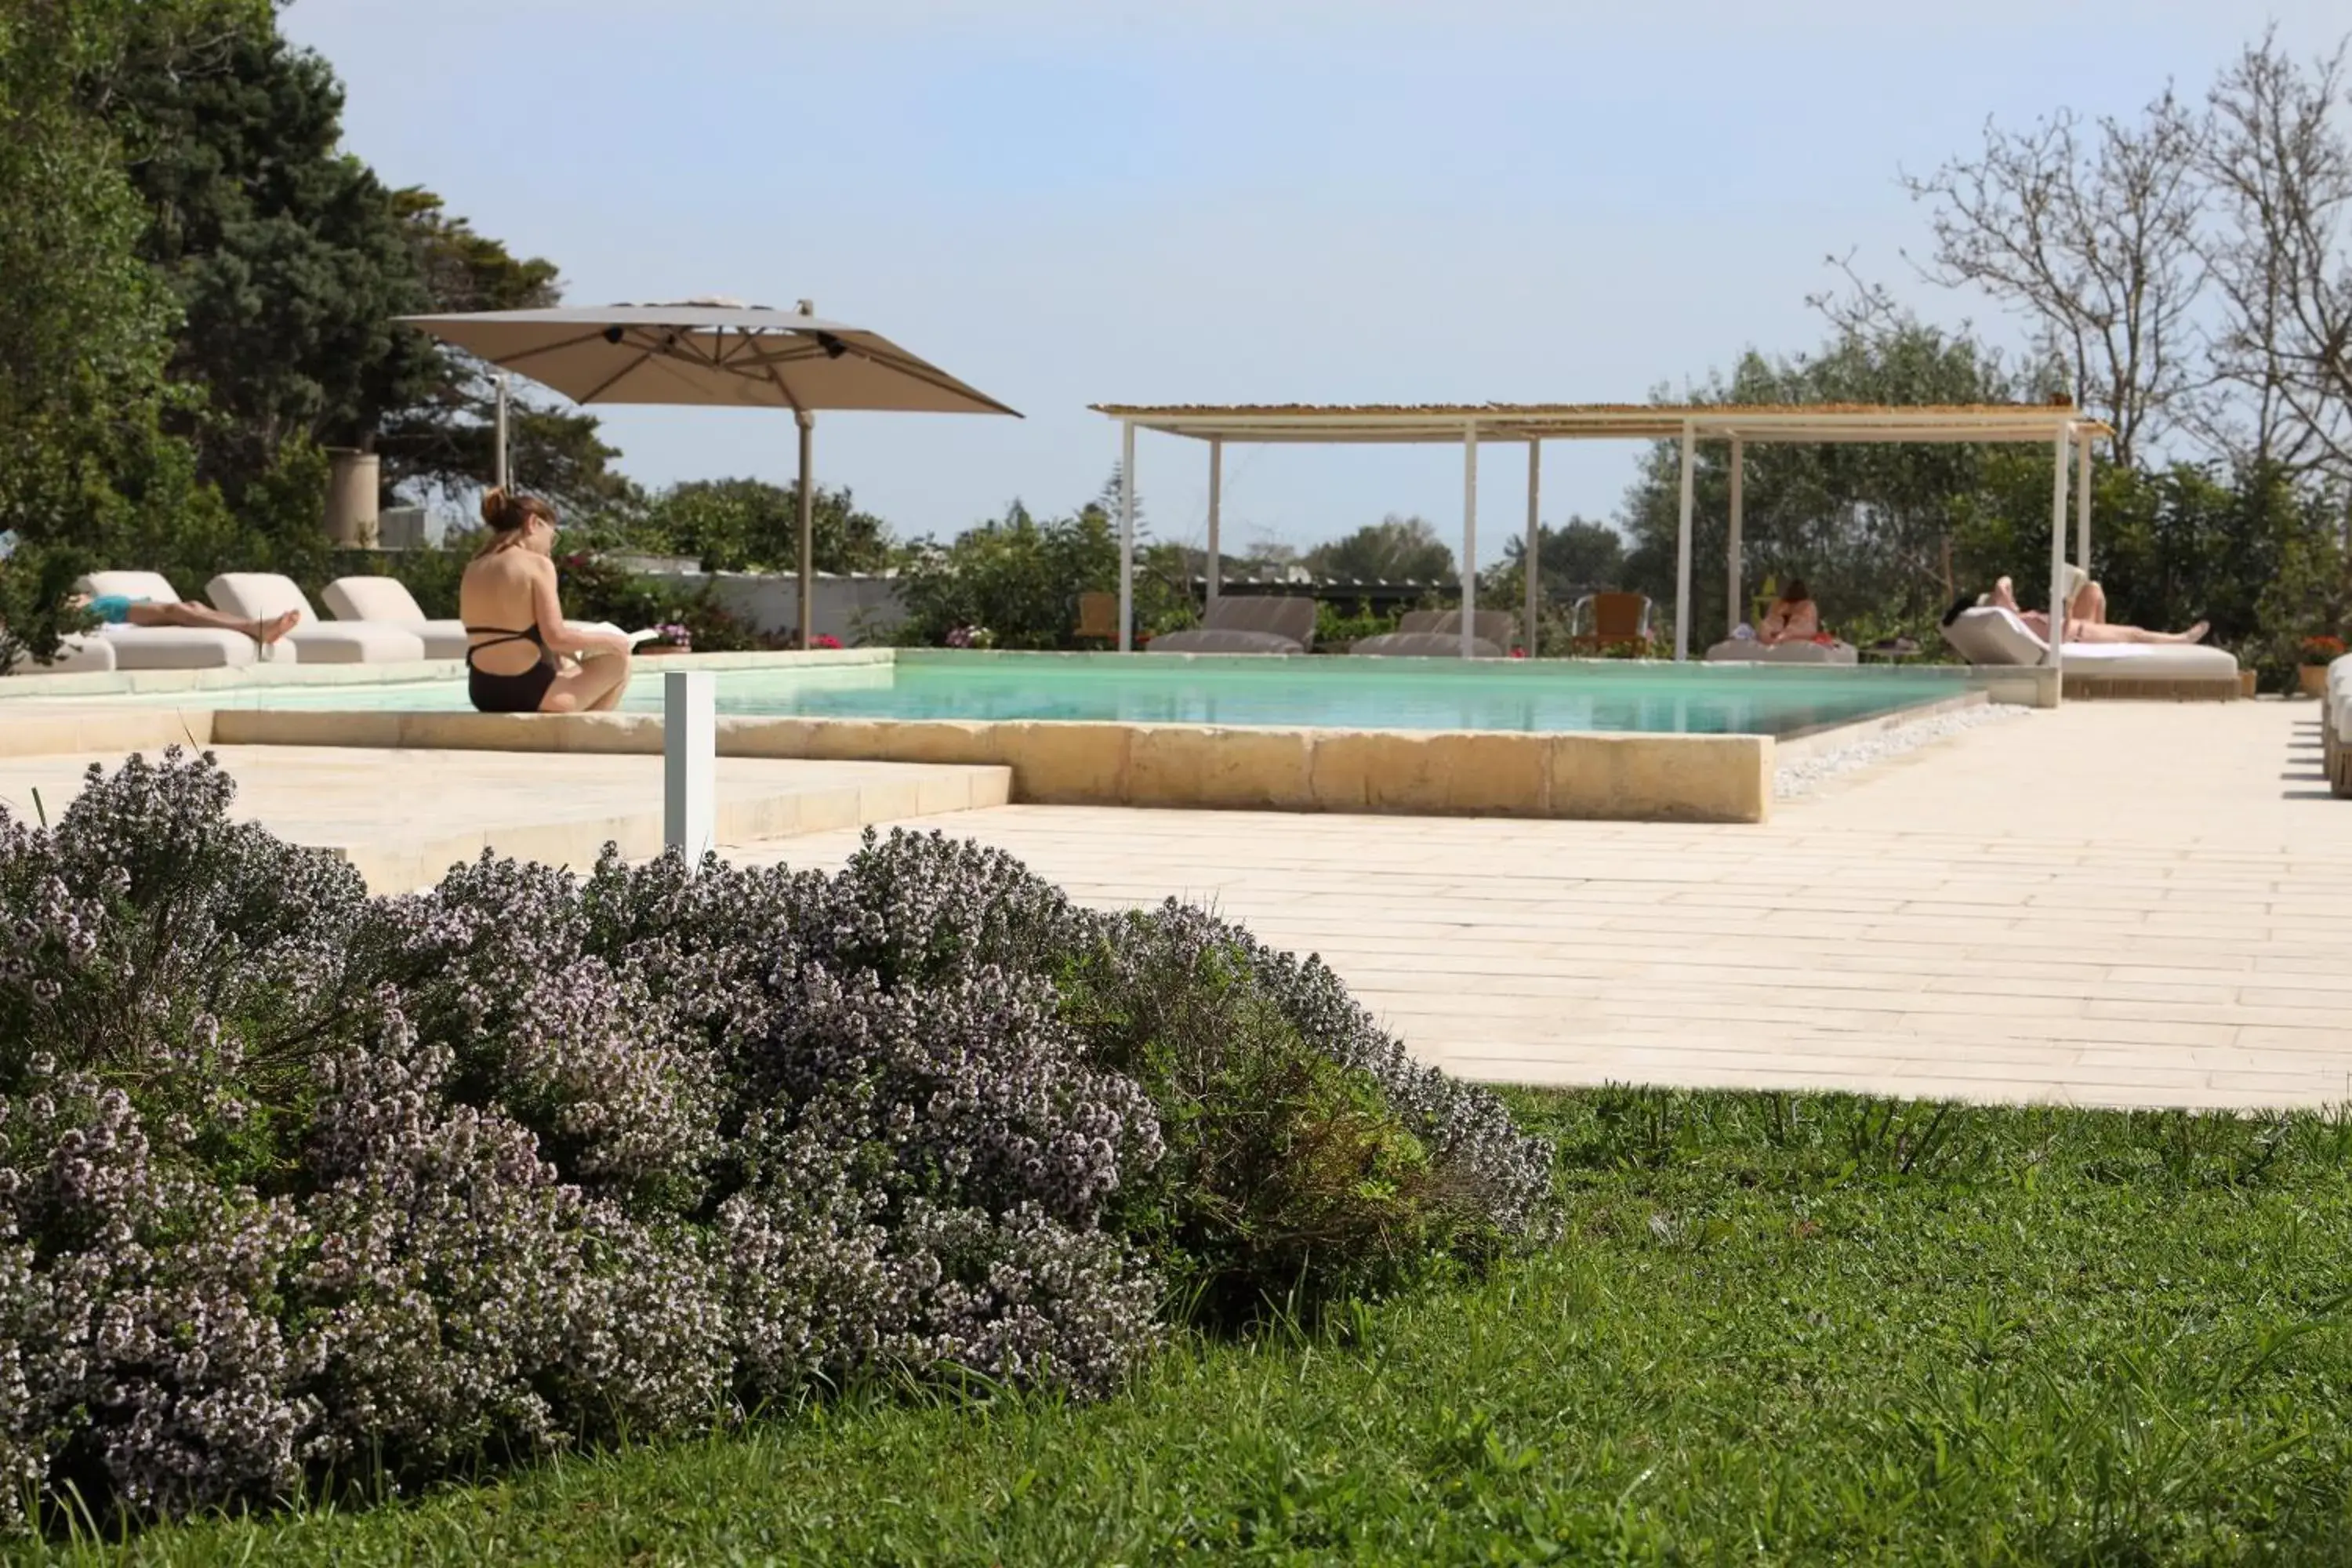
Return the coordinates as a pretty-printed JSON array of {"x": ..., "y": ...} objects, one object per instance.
[{"x": 1514, "y": 697}]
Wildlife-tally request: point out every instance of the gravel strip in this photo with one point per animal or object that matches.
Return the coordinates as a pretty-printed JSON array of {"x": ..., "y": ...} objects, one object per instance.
[{"x": 1792, "y": 780}]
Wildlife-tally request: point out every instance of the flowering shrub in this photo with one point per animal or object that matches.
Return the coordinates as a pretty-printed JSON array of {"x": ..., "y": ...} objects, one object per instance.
[
  {"x": 2322, "y": 650},
  {"x": 296, "y": 1183}
]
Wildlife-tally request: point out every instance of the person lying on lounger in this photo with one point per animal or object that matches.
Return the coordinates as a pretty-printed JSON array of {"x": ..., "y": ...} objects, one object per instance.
[
  {"x": 2085, "y": 622},
  {"x": 122, "y": 609}
]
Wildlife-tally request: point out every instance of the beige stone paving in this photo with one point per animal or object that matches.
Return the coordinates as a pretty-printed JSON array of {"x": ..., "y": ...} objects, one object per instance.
[
  {"x": 2113, "y": 903},
  {"x": 403, "y": 817}
]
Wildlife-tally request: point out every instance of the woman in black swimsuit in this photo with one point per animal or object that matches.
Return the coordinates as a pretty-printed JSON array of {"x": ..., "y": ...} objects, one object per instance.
[{"x": 521, "y": 655}]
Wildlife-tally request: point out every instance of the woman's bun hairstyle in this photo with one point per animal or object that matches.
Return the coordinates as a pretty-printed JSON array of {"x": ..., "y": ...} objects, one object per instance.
[{"x": 503, "y": 512}]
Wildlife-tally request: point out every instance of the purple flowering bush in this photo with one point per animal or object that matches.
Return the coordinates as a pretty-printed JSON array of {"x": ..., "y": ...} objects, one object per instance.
[{"x": 301, "y": 1187}]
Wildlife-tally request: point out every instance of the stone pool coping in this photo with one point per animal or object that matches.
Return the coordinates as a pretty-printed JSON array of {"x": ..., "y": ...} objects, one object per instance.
[
  {"x": 1670, "y": 778},
  {"x": 1596, "y": 777}
]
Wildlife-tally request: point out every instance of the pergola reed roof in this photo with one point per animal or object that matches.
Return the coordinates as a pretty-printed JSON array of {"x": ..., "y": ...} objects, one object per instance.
[{"x": 1433, "y": 422}]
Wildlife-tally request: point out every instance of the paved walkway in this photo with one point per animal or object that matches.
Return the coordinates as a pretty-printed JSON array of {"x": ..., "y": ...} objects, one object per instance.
[
  {"x": 403, "y": 817},
  {"x": 2115, "y": 903}
]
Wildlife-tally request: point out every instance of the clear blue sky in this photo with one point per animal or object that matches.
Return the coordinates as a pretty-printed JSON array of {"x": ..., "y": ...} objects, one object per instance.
[{"x": 1293, "y": 200}]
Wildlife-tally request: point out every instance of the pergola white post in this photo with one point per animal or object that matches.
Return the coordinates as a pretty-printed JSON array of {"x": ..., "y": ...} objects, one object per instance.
[
  {"x": 1534, "y": 539},
  {"x": 1217, "y": 506},
  {"x": 1127, "y": 536},
  {"x": 500, "y": 466},
  {"x": 1683, "y": 551},
  {"x": 1739, "y": 518},
  {"x": 1469, "y": 535},
  {"x": 2083, "y": 503},
  {"x": 2058, "y": 554}
]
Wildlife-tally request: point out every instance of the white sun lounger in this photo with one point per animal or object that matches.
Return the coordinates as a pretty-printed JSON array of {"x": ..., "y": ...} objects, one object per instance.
[
  {"x": 386, "y": 601},
  {"x": 263, "y": 596},
  {"x": 77, "y": 655},
  {"x": 1990, "y": 635},
  {"x": 171, "y": 647}
]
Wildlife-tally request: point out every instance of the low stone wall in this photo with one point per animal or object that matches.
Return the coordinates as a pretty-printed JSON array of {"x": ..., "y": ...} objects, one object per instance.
[
  {"x": 1640, "y": 778},
  {"x": 855, "y": 611}
]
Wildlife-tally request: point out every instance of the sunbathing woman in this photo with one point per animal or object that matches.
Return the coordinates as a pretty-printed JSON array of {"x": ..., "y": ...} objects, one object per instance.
[
  {"x": 122, "y": 609},
  {"x": 522, "y": 655},
  {"x": 2084, "y": 600},
  {"x": 1794, "y": 617}
]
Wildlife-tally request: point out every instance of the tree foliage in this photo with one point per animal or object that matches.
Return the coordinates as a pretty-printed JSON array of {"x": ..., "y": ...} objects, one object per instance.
[
  {"x": 1019, "y": 579},
  {"x": 201, "y": 286},
  {"x": 1393, "y": 550},
  {"x": 735, "y": 525},
  {"x": 1872, "y": 528}
]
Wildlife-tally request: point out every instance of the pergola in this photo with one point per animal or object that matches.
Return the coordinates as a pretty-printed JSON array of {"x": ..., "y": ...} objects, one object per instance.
[{"x": 2060, "y": 426}]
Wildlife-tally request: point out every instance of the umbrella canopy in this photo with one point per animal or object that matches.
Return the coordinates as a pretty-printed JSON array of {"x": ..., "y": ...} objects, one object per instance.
[
  {"x": 722, "y": 355},
  {"x": 715, "y": 353}
]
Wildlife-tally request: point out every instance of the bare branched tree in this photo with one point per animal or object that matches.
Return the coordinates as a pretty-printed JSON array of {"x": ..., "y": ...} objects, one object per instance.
[
  {"x": 2090, "y": 229},
  {"x": 2279, "y": 156}
]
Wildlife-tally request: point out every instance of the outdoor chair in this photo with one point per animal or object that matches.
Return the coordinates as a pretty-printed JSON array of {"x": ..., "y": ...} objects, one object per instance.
[
  {"x": 1602, "y": 621},
  {"x": 1098, "y": 618}
]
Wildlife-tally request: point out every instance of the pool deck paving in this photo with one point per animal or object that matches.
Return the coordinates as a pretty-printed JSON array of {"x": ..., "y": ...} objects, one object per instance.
[
  {"x": 403, "y": 817},
  {"x": 2113, "y": 903},
  {"x": 2121, "y": 904}
]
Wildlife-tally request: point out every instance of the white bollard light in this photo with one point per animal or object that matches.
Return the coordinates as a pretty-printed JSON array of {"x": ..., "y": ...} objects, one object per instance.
[{"x": 690, "y": 763}]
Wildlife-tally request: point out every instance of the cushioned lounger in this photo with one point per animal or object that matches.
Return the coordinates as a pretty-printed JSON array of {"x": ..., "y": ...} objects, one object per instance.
[
  {"x": 77, "y": 655},
  {"x": 171, "y": 647},
  {"x": 1246, "y": 622},
  {"x": 386, "y": 601},
  {"x": 263, "y": 596},
  {"x": 1424, "y": 644},
  {"x": 2335, "y": 726},
  {"x": 1990, "y": 635},
  {"x": 1747, "y": 650},
  {"x": 1437, "y": 633}
]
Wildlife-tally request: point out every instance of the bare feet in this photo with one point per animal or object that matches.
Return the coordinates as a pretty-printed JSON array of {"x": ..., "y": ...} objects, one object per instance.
[
  {"x": 270, "y": 631},
  {"x": 2195, "y": 633}
]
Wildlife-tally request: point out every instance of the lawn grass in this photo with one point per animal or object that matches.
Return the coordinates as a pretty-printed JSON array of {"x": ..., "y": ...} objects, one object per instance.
[{"x": 1804, "y": 1329}]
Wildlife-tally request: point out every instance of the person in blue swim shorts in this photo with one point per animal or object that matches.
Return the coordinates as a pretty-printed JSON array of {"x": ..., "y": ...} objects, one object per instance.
[{"x": 122, "y": 609}]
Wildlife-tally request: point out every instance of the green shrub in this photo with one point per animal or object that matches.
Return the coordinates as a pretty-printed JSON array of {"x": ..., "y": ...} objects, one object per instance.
[
  {"x": 296, "y": 1183},
  {"x": 1335, "y": 628},
  {"x": 1020, "y": 579}
]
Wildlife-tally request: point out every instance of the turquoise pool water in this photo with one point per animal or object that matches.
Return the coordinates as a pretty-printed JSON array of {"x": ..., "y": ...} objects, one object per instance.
[{"x": 1334, "y": 693}]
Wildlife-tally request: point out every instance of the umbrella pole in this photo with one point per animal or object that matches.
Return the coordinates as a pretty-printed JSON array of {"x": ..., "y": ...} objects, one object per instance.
[{"x": 807, "y": 422}]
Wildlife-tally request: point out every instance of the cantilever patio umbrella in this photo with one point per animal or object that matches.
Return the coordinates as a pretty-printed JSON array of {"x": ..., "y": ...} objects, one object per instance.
[{"x": 720, "y": 353}]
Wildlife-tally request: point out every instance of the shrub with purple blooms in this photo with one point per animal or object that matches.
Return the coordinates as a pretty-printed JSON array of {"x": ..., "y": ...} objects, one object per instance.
[{"x": 299, "y": 1186}]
